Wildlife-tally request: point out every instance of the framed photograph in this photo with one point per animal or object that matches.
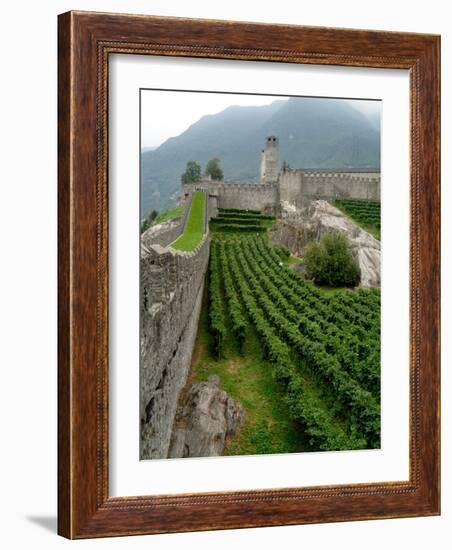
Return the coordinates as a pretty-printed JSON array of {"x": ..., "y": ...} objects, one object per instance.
[{"x": 248, "y": 275}]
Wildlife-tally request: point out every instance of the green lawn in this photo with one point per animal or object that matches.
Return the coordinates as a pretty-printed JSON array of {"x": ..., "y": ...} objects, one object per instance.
[
  {"x": 293, "y": 260},
  {"x": 194, "y": 230}
]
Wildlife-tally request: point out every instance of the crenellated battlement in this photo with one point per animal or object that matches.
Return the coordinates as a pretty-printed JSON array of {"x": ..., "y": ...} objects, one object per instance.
[
  {"x": 212, "y": 185},
  {"x": 300, "y": 186},
  {"x": 340, "y": 175}
]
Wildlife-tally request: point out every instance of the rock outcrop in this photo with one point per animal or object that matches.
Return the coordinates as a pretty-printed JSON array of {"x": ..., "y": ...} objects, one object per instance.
[
  {"x": 205, "y": 419},
  {"x": 299, "y": 227}
]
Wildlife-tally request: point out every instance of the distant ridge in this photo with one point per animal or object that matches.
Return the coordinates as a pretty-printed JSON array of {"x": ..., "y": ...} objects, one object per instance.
[{"x": 313, "y": 133}]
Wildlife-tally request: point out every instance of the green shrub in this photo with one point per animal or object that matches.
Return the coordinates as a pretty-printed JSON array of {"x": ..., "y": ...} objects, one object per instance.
[
  {"x": 145, "y": 225},
  {"x": 331, "y": 262},
  {"x": 239, "y": 211},
  {"x": 236, "y": 221},
  {"x": 236, "y": 228}
]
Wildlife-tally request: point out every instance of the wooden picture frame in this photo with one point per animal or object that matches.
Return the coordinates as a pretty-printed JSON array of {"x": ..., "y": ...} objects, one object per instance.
[{"x": 85, "y": 42}]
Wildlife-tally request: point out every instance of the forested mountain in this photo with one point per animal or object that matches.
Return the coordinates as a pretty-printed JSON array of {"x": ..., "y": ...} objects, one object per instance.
[{"x": 312, "y": 132}]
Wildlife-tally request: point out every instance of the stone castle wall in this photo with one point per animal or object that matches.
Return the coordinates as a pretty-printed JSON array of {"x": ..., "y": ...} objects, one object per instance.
[
  {"x": 172, "y": 284},
  {"x": 166, "y": 233},
  {"x": 299, "y": 187},
  {"x": 163, "y": 234},
  {"x": 341, "y": 186},
  {"x": 264, "y": 197},
  {"x": 290, "y": 187}
]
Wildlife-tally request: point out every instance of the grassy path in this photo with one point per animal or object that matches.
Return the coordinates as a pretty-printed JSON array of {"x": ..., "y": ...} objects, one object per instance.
[
  {"x": 194, "y": 230},
  {"x": 267, "y": 427}
]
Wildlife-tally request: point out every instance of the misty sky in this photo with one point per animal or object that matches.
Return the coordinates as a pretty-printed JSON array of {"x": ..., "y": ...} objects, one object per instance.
[{"x": 166, "y": 114}]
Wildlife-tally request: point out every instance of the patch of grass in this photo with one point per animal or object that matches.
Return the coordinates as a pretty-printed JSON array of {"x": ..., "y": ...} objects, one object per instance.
[
  {"x": 169, "y": 215},
  {"x": 194, "y": 230},
  {"x": 369, "y": 228},
  {"x": 266, "y": 427},
  {"x": 268, "y": 223},
  {"x": 331, "y": 290},
  {"x": 293, "y": 260}
]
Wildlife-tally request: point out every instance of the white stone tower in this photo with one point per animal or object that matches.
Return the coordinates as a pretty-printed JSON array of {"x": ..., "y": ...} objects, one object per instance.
[{"x": 269, "y": 160}]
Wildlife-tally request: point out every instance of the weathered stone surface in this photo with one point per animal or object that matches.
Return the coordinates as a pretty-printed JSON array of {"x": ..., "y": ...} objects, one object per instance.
[
  {"x": 260, "y": 196},
  {"x": 300, "y": 226},
  {"x": 291, "y": 230},
  {"x": 206, "y": 417},
  {"x": 172, "y": 285},
  {"x": 163, "y": 233},
  {"x": 300, "y": 186}
]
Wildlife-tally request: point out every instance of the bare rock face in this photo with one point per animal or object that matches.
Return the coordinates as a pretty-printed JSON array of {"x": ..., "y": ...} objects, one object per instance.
[
  {"x": 292, "y": 234},
  {"x": 206, "y": 417},
  {"x": 299, "y": 227}
]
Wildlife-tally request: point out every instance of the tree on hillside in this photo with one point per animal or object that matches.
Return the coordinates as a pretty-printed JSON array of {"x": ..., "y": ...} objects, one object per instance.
[
  {"x": 147, "y": 222},
  {"x": 192, "y": 172},
  {"x": 213, "y": 170},
  {"x": 331, "y": 262},
  {"x": 152, "y": 215}
]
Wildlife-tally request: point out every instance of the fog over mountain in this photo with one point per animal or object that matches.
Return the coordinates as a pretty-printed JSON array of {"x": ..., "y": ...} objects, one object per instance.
[{"x": 312, "y": 132}]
